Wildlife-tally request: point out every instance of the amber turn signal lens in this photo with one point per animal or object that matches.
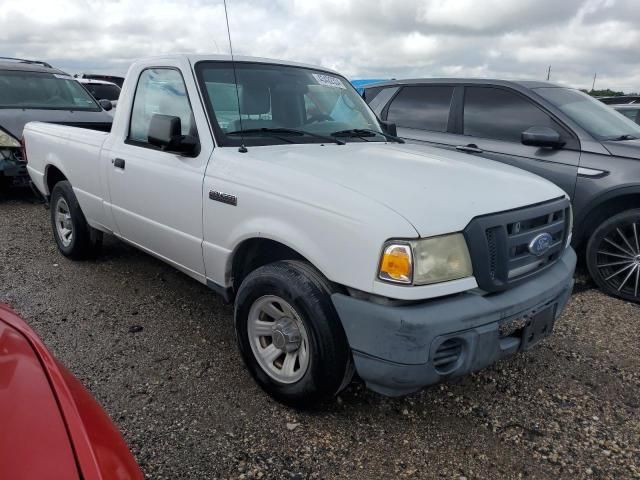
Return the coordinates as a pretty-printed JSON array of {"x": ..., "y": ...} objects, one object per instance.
[{"x": 396, "y": 265}]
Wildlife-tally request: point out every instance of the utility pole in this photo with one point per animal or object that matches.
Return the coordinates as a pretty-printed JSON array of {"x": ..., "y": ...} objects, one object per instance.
[
  {"x": 593, "y": 85},
  {"x": 548, "y": 73}
]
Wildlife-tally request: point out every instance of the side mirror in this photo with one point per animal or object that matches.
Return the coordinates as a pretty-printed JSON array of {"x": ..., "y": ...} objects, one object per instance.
[
  {"x": 165, "y": 132},
  {"x": 106, "y": 104},
  {"x": 389, "y": 127},
  {"x": 542, "y": 137}
]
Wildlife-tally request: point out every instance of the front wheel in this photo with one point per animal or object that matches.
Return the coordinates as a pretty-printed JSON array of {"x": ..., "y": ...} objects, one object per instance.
[
  {"x": 289, "y": 334},
  {"x": 613, "y": 255},
  {"x": 73, "y": 235}
]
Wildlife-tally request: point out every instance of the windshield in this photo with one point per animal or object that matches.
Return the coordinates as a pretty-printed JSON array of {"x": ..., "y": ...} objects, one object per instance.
[
  {"x": 102, "y": 91},
  {"x": 315, "y": 104},
  {"x": 600, "y": 120},
  {"x": 33, "y": 90}
]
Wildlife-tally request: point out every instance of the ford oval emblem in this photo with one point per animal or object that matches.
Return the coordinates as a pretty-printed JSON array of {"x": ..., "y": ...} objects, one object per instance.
[{"x": 540, "y": 244}]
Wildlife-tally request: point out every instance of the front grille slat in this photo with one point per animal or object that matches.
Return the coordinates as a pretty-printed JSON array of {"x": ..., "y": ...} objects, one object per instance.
[
  {"x": 554, "y": 227},
  {"x": 492, "y": 251},
  {"x": 446, "y": 353},
  {"x": 500, "y": 243}
]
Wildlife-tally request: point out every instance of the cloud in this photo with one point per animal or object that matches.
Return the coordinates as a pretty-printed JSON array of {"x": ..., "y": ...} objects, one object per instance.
[{"x": 361, "y": 38}]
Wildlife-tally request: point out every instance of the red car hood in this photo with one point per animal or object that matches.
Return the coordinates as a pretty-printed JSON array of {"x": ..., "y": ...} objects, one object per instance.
[{"x": 51, "y": 426}]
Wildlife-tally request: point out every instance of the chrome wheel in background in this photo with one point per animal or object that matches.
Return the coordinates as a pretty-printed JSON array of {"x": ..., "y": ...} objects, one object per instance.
[{"x": 613, "y": 255}]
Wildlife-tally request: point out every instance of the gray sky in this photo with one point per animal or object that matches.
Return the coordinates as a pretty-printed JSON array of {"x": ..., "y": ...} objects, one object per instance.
[{"x": 360, "y": 38}]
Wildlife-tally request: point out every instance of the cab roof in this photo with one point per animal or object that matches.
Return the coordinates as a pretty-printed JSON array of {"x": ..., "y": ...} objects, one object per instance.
[{"x": 195, "y": 58}]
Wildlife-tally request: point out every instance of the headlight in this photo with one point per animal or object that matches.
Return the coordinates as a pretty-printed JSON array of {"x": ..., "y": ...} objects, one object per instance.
[
  {"x": 426, "y": 261},
  {"x": 7, "y": 140},
  {"x": 439, "y": 259}
]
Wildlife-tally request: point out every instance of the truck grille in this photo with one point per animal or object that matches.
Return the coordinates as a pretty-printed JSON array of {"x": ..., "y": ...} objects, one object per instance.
[{"x": 503, "y": 245}]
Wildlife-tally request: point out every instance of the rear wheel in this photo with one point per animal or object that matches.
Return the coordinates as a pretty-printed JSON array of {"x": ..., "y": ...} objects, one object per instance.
[
  {"x": 613, "y": 255},
  {"x": 73, "y": 235},
  {"x": 289, "y": 334}
]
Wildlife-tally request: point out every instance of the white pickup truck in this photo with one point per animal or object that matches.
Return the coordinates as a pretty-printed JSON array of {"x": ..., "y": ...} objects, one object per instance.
[{"x": 342, "y": 248}]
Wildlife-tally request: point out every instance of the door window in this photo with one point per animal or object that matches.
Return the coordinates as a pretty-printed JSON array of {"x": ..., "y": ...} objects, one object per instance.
[
  {"x": 499, "y": 114},
  {"x": 160, "y": 91},
  {"x": 422, "y": 107}
]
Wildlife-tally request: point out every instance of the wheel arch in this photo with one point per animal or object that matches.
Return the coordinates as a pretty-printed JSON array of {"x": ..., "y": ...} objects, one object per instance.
[
  {"x": 605, "y": 205},
  {"x": 256, "y": 251},
  {"x": 52, "y": 175}
]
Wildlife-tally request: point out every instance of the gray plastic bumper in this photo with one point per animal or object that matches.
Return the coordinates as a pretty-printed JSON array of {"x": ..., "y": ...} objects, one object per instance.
[{"x": 398, "y": 349}]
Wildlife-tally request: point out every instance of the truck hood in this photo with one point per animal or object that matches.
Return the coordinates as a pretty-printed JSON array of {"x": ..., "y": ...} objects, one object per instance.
[
  {"x": 13, "y": 120},
  {"x": 623, "y": 148},
  {"x": 435, "y": 190}
]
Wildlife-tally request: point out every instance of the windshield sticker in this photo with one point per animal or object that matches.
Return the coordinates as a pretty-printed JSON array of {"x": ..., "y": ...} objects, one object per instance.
[{"x": 329, "y": 81}]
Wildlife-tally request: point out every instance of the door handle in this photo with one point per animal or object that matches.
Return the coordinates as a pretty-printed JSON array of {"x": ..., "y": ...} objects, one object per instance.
[
  {"x": 471, "y": 148},
  {"x": 118, "y": 163}
]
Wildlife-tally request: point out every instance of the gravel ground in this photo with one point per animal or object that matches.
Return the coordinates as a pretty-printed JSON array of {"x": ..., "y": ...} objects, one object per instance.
[{"x": 158, "y": 351}]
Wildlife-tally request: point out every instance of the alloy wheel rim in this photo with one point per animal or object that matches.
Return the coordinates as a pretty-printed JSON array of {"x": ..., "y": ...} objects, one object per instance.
[
  {"x": 64, "y": 224},
  {"x": 618, "y": 259},
  {"x": 278, "y": 339}
]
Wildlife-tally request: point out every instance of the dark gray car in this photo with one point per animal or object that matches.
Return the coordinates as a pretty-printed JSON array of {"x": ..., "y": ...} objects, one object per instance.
[
  {"x": 587, "y": 148},
  {"x": 34, "y": 91}
]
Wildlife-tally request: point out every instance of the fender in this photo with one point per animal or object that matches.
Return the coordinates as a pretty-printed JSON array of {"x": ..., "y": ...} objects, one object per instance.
[
  {"x": 52, "y": 161},
  {"x": 289, "y": 237},
  {"x": 583, "y": 221}
]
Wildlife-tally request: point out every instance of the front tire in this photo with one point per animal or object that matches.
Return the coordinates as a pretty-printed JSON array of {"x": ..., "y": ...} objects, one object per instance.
[
  {"x": 73, "y": 235},
  {"x": 613, "y": 255},
  {"x": 289, "y": 334}
]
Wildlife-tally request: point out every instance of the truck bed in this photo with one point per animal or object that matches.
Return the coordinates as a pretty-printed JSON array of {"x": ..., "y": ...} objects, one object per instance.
[{"x": 75, "y": 152}]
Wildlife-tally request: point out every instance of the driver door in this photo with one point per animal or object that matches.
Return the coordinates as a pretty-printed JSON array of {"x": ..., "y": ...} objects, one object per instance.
[{"x": 156, "y": 195}]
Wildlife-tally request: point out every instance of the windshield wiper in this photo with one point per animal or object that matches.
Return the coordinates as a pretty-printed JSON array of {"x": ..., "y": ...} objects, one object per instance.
[
  {"x": 365, "y": 132},
  {"x": 623, "y": 137},
  {"x": 286, "y": 131}
]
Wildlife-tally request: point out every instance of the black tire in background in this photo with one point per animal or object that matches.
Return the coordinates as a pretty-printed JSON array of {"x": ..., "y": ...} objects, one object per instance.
[
  {"x": 84, "y": 242},
  {"x": 5, "y": 184},
  {"x": 613, "y": 255},
  {"x": 302, "y": 287}
]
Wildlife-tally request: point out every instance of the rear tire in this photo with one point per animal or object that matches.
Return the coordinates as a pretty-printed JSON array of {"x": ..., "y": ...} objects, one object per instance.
[
  {"x": 73, "y": 235},
  {"x": 289, "y": 334},
  {"x": 613, "y": 255},
  {"x": 5, "y": 184}
]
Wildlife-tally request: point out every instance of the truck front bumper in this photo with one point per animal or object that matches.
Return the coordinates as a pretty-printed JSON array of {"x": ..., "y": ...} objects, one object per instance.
[{"x": 400, "y": 349}]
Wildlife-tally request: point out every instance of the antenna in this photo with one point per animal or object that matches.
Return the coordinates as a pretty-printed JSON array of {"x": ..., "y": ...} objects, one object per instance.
[
  {"x": 242, "y": 148},
  {"x": 548, "y": 73}
]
